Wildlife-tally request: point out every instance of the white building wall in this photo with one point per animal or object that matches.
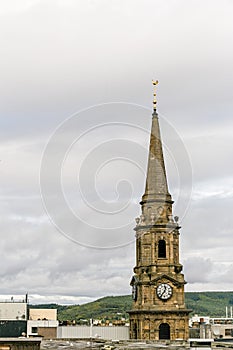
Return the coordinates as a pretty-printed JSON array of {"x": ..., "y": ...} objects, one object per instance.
[
  {"x": 42, "y": 324},
  {"x": 10, "y": 311},
  {"x": 219, "y": 330},
  {"x": 80, "y": 332}
]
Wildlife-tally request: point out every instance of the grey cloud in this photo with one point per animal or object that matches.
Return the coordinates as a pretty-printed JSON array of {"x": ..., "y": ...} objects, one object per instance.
[
  {"x": 95, "y": 52},
  {"x": 194, "y": 265}
]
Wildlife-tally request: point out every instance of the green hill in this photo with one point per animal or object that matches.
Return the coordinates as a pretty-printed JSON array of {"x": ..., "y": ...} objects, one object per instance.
[
  {"x": 107, "y": 308},
  {"x": 211, "y": 304}
]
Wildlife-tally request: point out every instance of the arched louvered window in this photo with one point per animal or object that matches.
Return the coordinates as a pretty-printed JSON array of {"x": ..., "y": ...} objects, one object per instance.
[{"x": 162, "y": 249}]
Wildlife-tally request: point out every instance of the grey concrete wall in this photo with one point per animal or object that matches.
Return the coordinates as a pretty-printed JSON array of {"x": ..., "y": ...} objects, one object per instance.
[{"x": 81, "y": 332}]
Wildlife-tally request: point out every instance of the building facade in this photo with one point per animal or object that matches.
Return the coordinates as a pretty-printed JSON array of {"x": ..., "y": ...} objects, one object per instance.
[
  {"x": 158, "y": 310},
  {"x": 43, "y": 323},
  {"x": 13, "y": 318}
]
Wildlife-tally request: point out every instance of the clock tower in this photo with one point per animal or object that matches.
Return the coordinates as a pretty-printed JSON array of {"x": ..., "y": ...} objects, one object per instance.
[{"x": 158, "y": 310}]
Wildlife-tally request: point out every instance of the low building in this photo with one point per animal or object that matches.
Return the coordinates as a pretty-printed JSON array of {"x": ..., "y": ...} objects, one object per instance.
[
  {"x": 222, "y": 327},
  {"x": 13, "y": 317},
  {"x": 205, "y": 327},
  {"x": 43, "y": 323}
]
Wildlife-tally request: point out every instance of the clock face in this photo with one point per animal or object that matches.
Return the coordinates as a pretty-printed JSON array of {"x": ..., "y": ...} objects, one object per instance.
[{"x": 164, "y": 291}]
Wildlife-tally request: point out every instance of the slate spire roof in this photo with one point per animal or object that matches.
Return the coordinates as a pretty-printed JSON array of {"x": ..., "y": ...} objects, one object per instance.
[{"x": 156, "y": 181}]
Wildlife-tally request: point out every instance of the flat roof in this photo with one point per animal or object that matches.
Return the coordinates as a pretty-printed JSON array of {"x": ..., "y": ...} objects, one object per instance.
[{"x": 20, "y": 339}]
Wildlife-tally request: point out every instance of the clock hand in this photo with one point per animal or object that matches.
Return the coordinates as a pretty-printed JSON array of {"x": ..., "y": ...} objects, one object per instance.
[{"x": 164, "y": 290}]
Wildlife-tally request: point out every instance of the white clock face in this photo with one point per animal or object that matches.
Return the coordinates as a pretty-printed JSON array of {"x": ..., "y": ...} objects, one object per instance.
[{"x": 164, "y": 291}]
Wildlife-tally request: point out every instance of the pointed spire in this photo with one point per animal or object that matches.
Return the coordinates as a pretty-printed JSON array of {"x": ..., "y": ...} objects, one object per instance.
[{"x": 156, "y": 181}]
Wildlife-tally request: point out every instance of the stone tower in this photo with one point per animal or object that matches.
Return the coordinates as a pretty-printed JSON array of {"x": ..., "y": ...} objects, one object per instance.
[{"x": 158, "y": 310}]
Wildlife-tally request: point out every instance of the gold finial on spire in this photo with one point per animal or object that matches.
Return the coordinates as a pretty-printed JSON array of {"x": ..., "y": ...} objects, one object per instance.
[{"x": 155, "y": 82}]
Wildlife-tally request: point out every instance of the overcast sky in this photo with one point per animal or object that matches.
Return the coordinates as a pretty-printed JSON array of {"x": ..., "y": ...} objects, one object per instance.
[{"x": 75, "y": 112}]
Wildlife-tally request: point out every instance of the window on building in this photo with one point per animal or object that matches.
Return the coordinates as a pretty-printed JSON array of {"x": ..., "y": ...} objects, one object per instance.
[
  {"x": 34, "y": 330},
  {"x": 139, "y": 249},
  {"x": 162, "y": 249},
  {"x": 229, "y": 332}
]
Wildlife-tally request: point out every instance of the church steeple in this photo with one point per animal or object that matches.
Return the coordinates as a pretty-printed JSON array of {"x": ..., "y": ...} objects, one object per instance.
[
  {"x": 156, "y": 192},
  {"x": 158, "y": 310}
]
